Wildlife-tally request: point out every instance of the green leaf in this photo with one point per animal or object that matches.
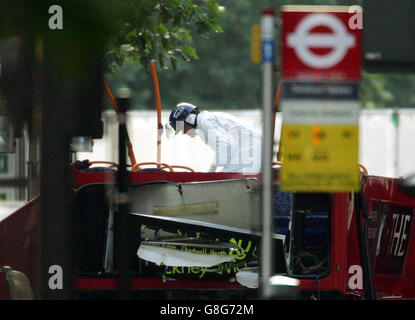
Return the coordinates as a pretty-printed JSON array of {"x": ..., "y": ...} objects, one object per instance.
[
  {"x": 173, "y": 62},
  {"x": 190, "y": 51},
  {"x": 161, "y": 60}
]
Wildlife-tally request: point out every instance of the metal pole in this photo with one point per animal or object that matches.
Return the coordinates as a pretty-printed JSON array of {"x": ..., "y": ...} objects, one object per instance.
[
  {"x": 122, "y": 231},
  {"x": 267, "y": 36},
  {"x": 55, "y": 185}
]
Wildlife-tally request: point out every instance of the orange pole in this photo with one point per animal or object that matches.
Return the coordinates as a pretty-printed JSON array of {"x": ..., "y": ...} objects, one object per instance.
[
  {"x": 114, "y": 104},
  {"x": 158, "y": 106},
  {"x": 276, "y": 103},
  {"x": 108, "y": 90}
]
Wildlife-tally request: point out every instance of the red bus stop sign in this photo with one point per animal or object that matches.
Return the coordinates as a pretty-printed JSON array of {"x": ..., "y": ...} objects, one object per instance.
[{"x": 318, "y": 44}]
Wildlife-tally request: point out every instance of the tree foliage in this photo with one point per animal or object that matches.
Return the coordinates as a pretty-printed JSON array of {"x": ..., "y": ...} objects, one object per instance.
[
  {"x": 149, "y": 30},
  {"x": 222, "y": 77}
]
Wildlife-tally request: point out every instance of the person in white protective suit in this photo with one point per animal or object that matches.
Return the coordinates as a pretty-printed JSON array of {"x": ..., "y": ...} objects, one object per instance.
[{"x": 237, "y": 146}]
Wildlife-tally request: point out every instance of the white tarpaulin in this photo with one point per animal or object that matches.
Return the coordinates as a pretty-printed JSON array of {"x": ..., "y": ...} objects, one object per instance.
[{"x": 180, "y": 258}]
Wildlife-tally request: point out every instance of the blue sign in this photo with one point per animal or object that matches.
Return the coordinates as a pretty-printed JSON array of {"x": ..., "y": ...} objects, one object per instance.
[{"x": 268, "y": 50}]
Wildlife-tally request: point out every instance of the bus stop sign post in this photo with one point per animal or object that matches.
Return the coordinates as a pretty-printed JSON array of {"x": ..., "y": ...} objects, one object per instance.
[{"x": 268, "y": 48}]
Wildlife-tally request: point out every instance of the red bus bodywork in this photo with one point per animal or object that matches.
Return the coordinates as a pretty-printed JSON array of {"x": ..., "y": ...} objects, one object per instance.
[{"x": 391, "y": 244}]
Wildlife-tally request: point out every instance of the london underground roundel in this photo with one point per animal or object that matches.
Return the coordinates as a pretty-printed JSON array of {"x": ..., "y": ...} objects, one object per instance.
[{"x": 320, "y": 45}]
